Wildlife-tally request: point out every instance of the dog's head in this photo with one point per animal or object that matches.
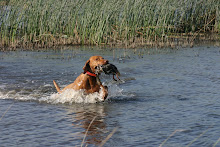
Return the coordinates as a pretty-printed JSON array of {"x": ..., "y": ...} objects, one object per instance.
[{"x": 94, "y": 64}]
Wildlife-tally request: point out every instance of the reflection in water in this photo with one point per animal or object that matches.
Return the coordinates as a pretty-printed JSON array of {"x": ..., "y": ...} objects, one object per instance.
[{"x": 81, "y": 117}]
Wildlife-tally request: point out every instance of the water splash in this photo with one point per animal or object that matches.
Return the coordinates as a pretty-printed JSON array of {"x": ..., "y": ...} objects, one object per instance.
[
  {"x": 45, "y": 94},
  {"x": 70, "y": 96}
]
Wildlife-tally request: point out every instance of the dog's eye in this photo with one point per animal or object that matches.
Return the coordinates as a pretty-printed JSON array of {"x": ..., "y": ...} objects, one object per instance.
[{"x": 97, "y": 59}]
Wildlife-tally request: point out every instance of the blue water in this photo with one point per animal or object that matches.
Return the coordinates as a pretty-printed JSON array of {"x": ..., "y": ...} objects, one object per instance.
[{"x": 166, "y": 97}]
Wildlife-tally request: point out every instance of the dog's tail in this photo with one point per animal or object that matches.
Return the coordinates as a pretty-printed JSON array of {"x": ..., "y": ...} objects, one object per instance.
[{"x": 57, "y": 86}]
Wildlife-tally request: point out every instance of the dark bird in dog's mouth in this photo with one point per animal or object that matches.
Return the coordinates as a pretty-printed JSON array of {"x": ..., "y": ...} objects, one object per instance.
[{"x": 110, "y": 69}]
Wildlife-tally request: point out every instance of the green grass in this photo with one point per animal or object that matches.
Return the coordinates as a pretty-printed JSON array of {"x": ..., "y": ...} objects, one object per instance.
[{"x": 44, "y": 23}]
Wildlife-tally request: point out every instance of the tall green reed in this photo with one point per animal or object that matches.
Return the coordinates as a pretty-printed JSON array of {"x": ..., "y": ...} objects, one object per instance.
[{"x": 104, "y": 21}]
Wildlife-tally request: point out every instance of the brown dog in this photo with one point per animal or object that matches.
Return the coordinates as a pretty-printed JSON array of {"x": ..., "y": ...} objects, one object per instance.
[{"x": 89, "y": 79}]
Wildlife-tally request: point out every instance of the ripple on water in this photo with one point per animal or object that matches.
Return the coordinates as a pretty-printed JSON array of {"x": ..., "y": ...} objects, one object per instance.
[{"x": 160, "y": 93}]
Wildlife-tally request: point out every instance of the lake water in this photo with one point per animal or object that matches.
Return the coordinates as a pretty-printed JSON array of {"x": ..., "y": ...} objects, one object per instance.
[{"x": 166, "y": 97}]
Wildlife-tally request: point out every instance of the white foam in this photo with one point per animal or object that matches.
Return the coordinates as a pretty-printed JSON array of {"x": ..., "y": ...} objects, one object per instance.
[
  {"x": 68, "y": 96},
  {"x": 18, "y": 95},
  {"x": 114, "y": 91}
]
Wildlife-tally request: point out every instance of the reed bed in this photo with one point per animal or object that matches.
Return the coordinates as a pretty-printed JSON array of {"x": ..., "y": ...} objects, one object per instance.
[{"x": 46, "y": 23}]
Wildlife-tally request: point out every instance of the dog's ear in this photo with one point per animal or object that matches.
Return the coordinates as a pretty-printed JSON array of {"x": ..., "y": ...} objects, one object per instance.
[{"x": 86, "y": 66}]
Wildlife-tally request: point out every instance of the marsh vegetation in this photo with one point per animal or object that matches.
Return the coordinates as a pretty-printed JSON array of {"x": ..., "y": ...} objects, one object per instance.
[{"x": 128, "y": 23}]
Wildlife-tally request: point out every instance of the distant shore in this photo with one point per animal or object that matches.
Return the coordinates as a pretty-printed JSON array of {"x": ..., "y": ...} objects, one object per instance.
[{"x": 128, "y": 24}]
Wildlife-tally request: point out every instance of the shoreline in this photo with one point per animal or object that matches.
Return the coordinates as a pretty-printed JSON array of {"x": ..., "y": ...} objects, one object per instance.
[
  {"x": 124, "y": 24},
  {"x": 174, "y": 41}
]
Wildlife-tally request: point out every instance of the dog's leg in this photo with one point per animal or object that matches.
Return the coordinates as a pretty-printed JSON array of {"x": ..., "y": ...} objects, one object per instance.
[
  {"x": 57, "y": 87},
  {"x": 98, "y": 80},
  {"x": 105, "y": 92}
]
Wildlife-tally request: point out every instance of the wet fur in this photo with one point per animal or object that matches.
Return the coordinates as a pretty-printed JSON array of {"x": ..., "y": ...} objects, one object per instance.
[{"x": 89, "y": 83}]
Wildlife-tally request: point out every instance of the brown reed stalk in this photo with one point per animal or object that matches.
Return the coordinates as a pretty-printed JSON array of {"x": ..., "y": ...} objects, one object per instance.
[
  {"x": 87, "y": 131},
  {"x": 179, "y": 130},
  {"x": 198, "y": 137},
  {"x": 6, "y": 111},
  {"x": 214, "y": 145},
  {"x": 108, "y": 137}
]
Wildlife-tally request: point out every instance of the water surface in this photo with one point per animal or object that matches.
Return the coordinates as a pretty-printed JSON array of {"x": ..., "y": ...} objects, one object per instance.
[{"x": 162, "y": 93}]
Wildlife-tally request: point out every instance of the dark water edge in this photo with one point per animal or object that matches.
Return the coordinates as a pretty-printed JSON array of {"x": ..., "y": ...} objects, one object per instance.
[{"x": 174, "y": 41}]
